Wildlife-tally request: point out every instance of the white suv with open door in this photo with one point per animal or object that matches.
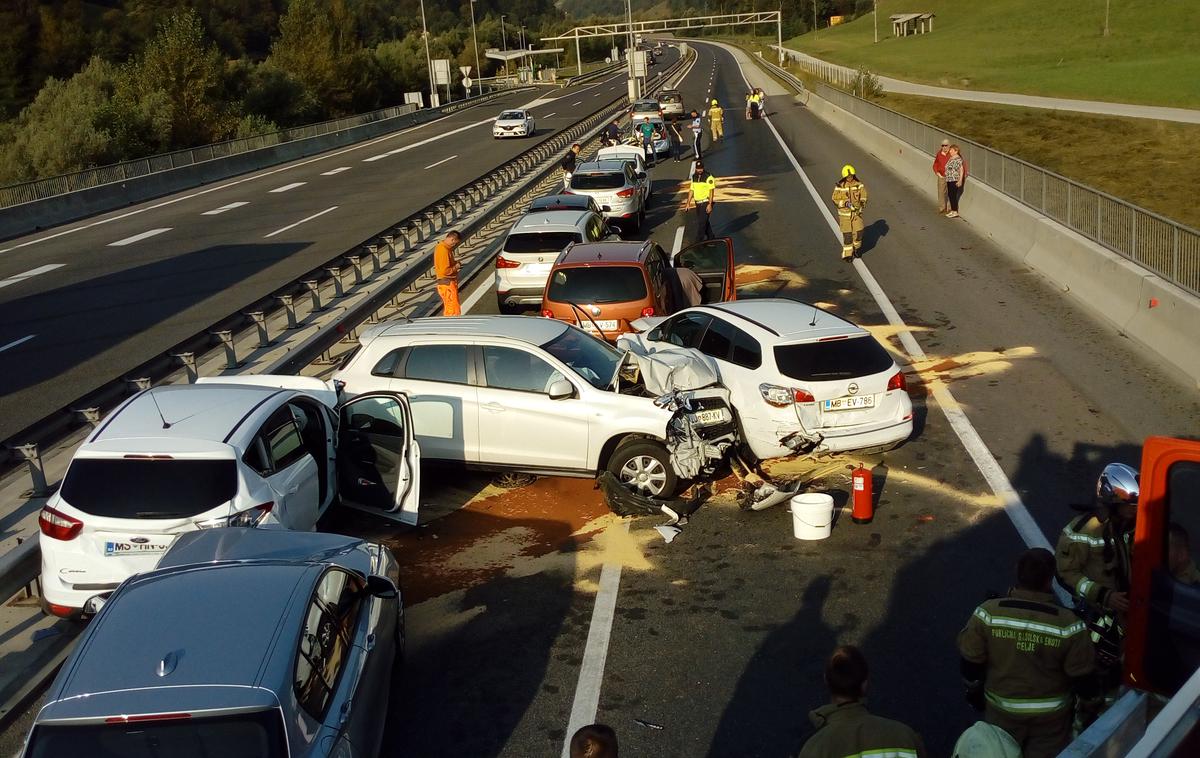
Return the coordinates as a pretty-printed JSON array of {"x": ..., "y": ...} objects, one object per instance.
[
  {"x": 800, "y": 378},
  {"x": 265, "y": 451}
]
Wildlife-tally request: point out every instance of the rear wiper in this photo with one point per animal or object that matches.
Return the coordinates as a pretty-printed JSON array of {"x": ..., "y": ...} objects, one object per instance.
[{"x": 580, "y": 311}]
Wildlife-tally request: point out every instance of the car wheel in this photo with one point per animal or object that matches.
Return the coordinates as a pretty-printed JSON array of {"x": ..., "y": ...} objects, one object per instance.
[
  {"x": 644, "y": 467},
  {"x": 505, "y": 309}
]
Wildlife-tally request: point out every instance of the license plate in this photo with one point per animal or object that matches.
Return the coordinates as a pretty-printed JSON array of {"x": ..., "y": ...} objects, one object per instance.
[
  {"x": 606, "y": 325},
  {"x": 710, "y": 417},
  {"x": 538, "y": 268},
  {"x": 121, "y": 547},
  {"x": 849, "y": 403}
]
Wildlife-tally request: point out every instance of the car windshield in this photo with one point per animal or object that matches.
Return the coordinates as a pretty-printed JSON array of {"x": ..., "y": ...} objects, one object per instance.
[
  {"x": 645, "y": 105},
  {"x": 142, "y": 488},
  {"x": 246, "y": 735},
  {"x": 597, "y": 284},
  {"x": 597, "y": 181},
  {"x": 512, "y": 116},
  {"x": 540, "y": 242},
  {"x": 836, "y": 359},
  {"x": 593, "y": 359}
]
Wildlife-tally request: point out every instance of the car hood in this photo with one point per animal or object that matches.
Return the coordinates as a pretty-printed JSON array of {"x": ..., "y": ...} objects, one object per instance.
[
  {"x": 666, "y": 370},
  {"x": 510, "y": 122}
]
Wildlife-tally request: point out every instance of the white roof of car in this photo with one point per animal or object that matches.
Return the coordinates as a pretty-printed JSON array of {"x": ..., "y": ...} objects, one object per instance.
[
  {"x": 192, "y": 411},
  {"x": 782, "y": 320},
  {"x": 531, "y": 329},
  {"x": 612, "y": 166},
  {"x": 550, "y": 221}
]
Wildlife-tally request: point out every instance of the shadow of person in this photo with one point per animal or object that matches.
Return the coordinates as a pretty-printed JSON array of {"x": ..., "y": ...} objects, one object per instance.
[
  {"x": 738, "y": 224},
  {"x": 767, "y": 715},
  {"x": 872, "y": 234}
]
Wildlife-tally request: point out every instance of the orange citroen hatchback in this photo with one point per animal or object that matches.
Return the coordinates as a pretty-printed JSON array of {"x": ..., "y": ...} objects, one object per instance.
[{"x": 604, "y": 287}]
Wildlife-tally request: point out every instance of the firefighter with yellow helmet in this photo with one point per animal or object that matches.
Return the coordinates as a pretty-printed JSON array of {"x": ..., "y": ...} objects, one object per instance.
[{"x": 850, "y": 199}]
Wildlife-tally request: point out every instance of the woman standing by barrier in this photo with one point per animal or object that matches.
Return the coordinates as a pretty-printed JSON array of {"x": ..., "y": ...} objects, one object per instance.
[{"x": 956, "y": 176}]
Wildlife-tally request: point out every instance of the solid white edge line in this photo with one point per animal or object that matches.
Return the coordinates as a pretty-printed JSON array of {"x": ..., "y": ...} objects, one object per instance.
[
  {"x": 139, "y": 237},
  {"x": 287, "y": 187},
  {"x": 976, "y": 448},
  {"x": 301, "y": 221},
  {"x": 443, "y": 160},
  {"x": 477, "y": 295},
  {"x": 14, "y": 343},
  {"x": 591, "y": 671}
]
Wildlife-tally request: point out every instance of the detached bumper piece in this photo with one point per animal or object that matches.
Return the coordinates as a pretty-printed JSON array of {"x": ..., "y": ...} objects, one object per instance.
[{"x": 625, "y": 502}]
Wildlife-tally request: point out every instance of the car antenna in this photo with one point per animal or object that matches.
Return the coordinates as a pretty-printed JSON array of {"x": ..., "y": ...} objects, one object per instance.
[
  {"x": 814, "y": 318},
  {"x": 166, "y": 424}
]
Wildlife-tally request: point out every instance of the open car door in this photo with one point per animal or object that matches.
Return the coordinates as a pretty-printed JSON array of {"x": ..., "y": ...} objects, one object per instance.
[
  {"x": 713, "y": 261},
  {"x": 378, "y": 458},
  {"x": 1162, "y": 644}
]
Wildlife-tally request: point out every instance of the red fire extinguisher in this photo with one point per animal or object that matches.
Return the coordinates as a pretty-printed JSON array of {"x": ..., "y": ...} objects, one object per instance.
[{"x": 864, "y": 500}]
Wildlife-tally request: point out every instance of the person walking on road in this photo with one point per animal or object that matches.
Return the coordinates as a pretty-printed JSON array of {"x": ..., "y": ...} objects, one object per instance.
[
  {"x": 697, "y": 134},
  {"x": 594, "y": 741},
  {"x": 702, "y": 195},
  {"x": 956, "y": 175},
  {"x": 716, "y": 121},
  {"x": 850, "y": 199},
  {"x": 1026, "y": 659},
  {"x": 845, "y": 727},
  {"x": 677, "y": 143},
  {"x": 749, "y": 98},
  {"x": 646, "y": 131},
  {"x": 939, "y": 170},
  {"x": 445, "y": 268},
  {"x": 569, "y": 162}
]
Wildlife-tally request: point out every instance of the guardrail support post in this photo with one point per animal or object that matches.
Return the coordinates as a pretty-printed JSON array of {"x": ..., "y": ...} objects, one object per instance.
[
  {"x": 289, "y": 307},
  {"x": 389, "y": 240},
  {"x": 89, "y": 416},
  {"x": 373, "y": 251},
  {"x": 356, "y": 266},
  {"x": 139, "y": 384},
  {"x": 37, "y": 474},
  {"x": 314, "y": 292},
  {"x": 335, "y": 274},
  {"x": 225, "y": 337},
  {"x": 260, "y": 325},
  {"x": 188, "y": 361}
]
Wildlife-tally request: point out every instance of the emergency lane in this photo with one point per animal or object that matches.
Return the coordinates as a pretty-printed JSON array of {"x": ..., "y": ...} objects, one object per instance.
[{"x": 178, "y": 268}]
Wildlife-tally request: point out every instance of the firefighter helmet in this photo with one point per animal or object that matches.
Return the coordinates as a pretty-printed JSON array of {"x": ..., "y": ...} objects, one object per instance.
[
  {"x": 1118, "y": 485},
  {"x": 848, "y": 170}
]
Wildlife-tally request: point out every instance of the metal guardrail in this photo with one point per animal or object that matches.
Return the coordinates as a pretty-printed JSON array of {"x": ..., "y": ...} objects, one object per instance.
[
  {"x": 1168, "y": 248},
  {"x": 40, "y": 189}
]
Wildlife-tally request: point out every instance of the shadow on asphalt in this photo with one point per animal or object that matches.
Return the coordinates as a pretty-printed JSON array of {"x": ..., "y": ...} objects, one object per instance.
[{"x": 872, "y": 235}]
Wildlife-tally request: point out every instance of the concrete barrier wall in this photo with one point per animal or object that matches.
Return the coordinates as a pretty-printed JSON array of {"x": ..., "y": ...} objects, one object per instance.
[{"x": 1132, "y": 299}]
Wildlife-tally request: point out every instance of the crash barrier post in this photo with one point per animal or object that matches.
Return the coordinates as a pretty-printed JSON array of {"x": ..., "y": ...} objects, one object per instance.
[
  {"x": 41, "y": 203},
  {"x": 1113, "y": 277}
]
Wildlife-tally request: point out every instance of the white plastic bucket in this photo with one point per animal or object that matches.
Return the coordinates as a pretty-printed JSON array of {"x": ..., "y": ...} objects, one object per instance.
[{"x": 812, "y": 516}]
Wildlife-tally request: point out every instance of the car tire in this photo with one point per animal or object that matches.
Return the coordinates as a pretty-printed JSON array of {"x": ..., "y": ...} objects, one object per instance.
[
  {"x": 646, "y": 461},
  {"x": 504, "y": 309}
]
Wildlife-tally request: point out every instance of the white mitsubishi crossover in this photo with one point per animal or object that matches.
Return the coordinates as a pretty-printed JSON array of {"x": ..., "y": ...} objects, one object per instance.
[
  {"x": 800, "y": 378},
  {"x": 265, "y": 451},
  {"x": 541, "y": 396}
]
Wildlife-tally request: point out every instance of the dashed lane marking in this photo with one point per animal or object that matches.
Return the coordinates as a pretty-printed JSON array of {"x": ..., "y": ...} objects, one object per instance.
[
  {"x": 139, "y": 237},
  {"x": 335, "y": 171},
  {"x": 14, "y": 343},
  {"x": 443, "y": 160},
  {"x": 301, "y": 221},
  {"x": 17, "y": 279},
  {"x": 223, "y": 208},
  {"x": 289, "y": 187}
]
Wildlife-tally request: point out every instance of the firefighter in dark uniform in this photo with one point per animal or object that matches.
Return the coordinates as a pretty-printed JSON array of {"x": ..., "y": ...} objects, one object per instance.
[
  {"x": 850, "y": 199},
  {"x": 1094, "y": 556},
  {"x": 1025, "y": 660}
]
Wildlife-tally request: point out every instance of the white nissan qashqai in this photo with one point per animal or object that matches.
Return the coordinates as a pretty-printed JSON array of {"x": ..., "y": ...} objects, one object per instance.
[{"x": 265, "y": 451}]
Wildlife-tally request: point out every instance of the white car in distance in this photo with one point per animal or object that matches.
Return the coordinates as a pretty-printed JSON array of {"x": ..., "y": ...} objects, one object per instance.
[
  {"x": 254, "y": 451},
  {"x": 800, "y": 378},
  {"x": 514, "y": 123}
]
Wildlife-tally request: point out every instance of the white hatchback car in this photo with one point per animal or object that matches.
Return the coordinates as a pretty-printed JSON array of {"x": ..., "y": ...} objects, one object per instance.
[
  {"x": 514, "y": 123},
  {"x": 266, "y": 451},
  {"x": 800, "y": 378},
  {"x": 635, "y": 156},
  {"x": 531, "y": 247},
  {"x": 535, "y": 395}
]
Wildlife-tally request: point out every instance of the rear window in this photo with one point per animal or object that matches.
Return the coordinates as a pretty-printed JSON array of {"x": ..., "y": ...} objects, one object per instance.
[
  {"x": 601, "y": 284},
  {"x": 540, "y": 242},
  {"x": 837, "y": 359},
  {"x": 136, "y": 488},
  {"x": 670, "y": 97},
  {"x": 247, "y": 735},
  {"x": 597, "y": 181}
]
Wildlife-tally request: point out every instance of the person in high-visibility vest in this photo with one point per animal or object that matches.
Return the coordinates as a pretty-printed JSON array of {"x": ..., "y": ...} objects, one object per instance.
[
  {"x": 850, "y": 198},
  {"x": 716, "y": 121},
  {"x": 702, "y": 194},
  {"x": 445, "y": 268}
]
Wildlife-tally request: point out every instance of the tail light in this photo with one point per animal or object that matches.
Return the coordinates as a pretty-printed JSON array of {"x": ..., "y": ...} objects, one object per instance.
[
  {"x": 803, "y": 396},
  {"x": 566, "y": 191},
  {"x": 147, "y": 717},
  {"x": 648, "y": 311},
  {"x": 547, "y": 313},
  {"x": 897, "y": 382},
  {"x": 251, "y": 517},
  {"x": 62, "y": 611},
  {"x": 626, "y": 192},
  {"x": 502, "y": 262},
  {"x": 775, "y": 395},
  {"x": 58, "y": 526}
]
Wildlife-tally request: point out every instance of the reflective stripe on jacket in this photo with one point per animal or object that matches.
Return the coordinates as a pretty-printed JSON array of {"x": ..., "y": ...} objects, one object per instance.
[
  {"x": 850, "y": 197},
  {"x": 849, "y": 730},
  {"x": 1082, "y": 564},
  {"x": 703, "y": 189}
]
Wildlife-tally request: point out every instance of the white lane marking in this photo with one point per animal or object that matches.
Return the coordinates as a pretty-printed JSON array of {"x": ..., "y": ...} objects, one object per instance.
[
  {"x": 551, "y": 113},
  {"x": 577, "y": 102},
  {"x": 337, "y": 170},
  {"x": 287, "y": 187},
  {"x": 18, "y": 278},
  {"x": 227, "y": 185},
  {"x": 1022, "y": 520},
  {"x": 426, "y": 141},
  {"x": 139, "y": 237},
  {"x": 223, "y": 208},
  {"x": 301, "y": 221},
  {"x": 591, "y": 672},
  {"x": 596, "y": 94},
  {"x": 14, "y": 343},
  {"x": 678, "y": 245},
  {"x": 476, "y": 296},
  {"x": 443, "y": 160}
]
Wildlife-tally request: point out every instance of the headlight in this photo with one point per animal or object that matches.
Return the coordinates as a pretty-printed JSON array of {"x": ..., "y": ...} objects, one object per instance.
[{"x": 250, "y": 517}]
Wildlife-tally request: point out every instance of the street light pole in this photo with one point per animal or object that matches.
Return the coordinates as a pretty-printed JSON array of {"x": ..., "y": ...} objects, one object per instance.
[
  {"x": 475, "y": 42},
  {"x": 630, "y": 51},
  {"x": 875, "y": 18},
  {"x": 1106, "y": 17},
  {"x": 504, "y": 39},
  {"x": 428, "y": 58}
]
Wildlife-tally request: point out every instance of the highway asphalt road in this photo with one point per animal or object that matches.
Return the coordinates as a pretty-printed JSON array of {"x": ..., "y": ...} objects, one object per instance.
[{"x": 83, "y": 303}]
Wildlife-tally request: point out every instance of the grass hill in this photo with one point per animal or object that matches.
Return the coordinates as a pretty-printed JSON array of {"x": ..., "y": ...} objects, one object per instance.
[{"x": 1151, "y": 56}]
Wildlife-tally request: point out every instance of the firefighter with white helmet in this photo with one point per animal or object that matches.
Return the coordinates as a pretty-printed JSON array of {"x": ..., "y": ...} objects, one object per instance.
[{"x": 850, "y": 199}]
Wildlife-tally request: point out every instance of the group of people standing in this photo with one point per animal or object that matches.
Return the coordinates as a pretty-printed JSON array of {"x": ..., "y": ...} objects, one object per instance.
[{"x": 951, "y": 170}]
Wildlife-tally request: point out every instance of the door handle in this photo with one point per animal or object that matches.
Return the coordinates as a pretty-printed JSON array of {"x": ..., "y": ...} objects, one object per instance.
[
  {"x": 494, "y": 407},
  {"x": 370, "y": 642}
]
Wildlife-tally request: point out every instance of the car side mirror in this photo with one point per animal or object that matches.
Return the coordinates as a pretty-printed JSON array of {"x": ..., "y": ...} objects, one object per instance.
[
  {"x": 561, "y": 389},
  {"x": 381, "y": 586},
  {"x": 641, "y": 175},
  {"x": 655, "y": 334}
]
